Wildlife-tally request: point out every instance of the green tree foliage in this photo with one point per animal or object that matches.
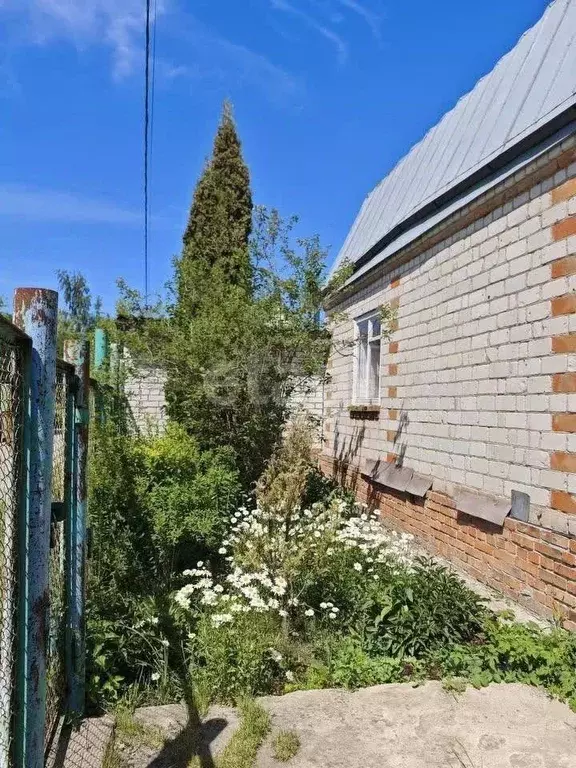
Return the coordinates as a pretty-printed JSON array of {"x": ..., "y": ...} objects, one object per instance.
[
  {"x": 81, "y": 312},
  {"x": 233, "y": 366},
  {"x": 156, "y": 505},
  {"x": 219, "y": 224}
]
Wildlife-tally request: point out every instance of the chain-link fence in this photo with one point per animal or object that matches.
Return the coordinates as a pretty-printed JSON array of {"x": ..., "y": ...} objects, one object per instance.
[
  {"x": 56, "y": 678},
  {"x": 11, "y": 433},
  {"x": 43, "y": 540}
]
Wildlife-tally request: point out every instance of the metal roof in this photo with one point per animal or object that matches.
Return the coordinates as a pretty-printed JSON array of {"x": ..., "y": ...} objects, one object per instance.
[{"x": 530, "y": 87}]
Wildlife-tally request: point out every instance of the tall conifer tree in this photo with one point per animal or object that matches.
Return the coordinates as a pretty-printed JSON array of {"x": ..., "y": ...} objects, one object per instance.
[{"x": 215, "y": 242}]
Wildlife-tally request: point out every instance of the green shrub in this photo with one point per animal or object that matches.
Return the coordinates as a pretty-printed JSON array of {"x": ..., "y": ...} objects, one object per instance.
[
  {"x": 187, "y": 495},
  {"x": 154, "y": 504},
  {"x": 352, "y": 667},
  {"x": 521, "y": 653},
  {"x": 425, "y": 608},
  {"x": 233, "y": 660}
]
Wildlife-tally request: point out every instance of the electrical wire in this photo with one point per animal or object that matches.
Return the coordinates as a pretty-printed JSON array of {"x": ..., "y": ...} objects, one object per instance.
[{"x": 146, "y": 151}]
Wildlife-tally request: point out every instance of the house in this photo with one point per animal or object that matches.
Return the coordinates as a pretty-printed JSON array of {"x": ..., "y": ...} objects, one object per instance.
[{"x": 451, "y": 400}]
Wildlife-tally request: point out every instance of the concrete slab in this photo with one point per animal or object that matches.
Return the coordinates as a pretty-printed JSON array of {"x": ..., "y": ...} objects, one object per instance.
[
  {"x": 186, "y": 736},
  {"x": 400, "y": 726},
  {"x": 394, "y": 726}
]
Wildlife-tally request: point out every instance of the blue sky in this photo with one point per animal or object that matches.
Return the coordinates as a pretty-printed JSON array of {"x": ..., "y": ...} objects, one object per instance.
[{"x": 328, "y": 96}]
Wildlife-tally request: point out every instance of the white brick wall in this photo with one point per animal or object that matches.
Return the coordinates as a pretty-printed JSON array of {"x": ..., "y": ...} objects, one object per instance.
[
  {"x": 475, "y": 360},
  {"x": 146, "y": 399},
  {"x": 307, "y": 401}
]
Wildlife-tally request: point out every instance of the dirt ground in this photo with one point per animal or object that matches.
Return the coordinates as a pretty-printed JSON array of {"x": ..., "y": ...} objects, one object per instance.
[{"x": 391, "y": 726}]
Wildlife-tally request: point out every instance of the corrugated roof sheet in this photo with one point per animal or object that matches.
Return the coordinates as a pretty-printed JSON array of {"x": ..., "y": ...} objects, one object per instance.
[{"x": 529, "y": 87}]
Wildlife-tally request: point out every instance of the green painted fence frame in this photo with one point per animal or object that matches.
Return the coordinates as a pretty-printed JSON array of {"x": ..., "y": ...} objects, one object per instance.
[{"x": 33, "y": 335}]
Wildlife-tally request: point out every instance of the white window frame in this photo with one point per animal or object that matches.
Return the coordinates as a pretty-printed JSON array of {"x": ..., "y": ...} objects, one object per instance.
[{"x": 362, "y": 385}]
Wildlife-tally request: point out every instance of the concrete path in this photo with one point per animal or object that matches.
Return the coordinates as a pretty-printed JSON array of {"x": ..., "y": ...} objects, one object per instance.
[{"x": 398, "y": 726}]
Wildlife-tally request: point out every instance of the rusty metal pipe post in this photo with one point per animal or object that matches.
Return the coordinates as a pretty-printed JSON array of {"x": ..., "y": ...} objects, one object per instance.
[
  {"x": 36, "y": 313},
  {"x": 78, "y": 353}
]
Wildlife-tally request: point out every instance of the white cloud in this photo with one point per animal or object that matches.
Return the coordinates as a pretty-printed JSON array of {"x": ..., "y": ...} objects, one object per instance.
[
  {"x": 213, "y": 57},
  {"x": 119, "y": 24},
  {"x": 23, "y": 202},
  {"x": 370, "y": 17},
  {"x": 320, "y": 28}
]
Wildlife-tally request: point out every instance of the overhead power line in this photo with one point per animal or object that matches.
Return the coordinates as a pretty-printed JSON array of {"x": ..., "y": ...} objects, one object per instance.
[{"x": 149, "y": 74}]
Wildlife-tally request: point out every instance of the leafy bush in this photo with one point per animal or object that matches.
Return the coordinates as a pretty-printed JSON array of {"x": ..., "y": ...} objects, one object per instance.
[
  {"x": 186, "y": 494},
  {"x": 154, "y": 503},
  {"x": 233, "y": 660},
  {"x": 349, "y": 665},
  {"x": 510, "y": 653},
  {"x": 425, "y": 608}
]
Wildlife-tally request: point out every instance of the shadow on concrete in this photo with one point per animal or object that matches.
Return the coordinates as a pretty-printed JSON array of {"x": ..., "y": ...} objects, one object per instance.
[
  {"x": 195, "y": 738},
  {"x": 193, "y": 741}
]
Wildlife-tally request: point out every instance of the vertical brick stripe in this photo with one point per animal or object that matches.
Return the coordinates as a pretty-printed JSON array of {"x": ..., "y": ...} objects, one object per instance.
[
  {"x": 564, "y": 228},
  {"x": 564, "y": 305},
  {"x": 392, "y": 391},
  {"x": 564, "y": 502},
  {"x": 565, "y": 343},
  {"x": 563, "y": 462},
  {"x": 395, "y": 283},
  {"x": 392, "y": 369},
  {"x": 564, "y": 382},
  {"x": 564, "y": 191},
  {"x": 564, "y": 422},
  {"x": 563, "y": 267},
  {"x": 392, "y": 414},
  {"x": 393, "y": 347}
]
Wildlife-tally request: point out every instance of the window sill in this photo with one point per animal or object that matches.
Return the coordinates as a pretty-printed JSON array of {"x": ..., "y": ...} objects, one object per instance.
[{"x": 369, "y": 411}]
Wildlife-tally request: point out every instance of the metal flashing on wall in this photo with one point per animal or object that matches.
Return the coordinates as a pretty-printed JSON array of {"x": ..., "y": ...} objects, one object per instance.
[
  {"x": 419, "y": 485},
  {"x": 396, "y": 477},
  {"x": 485, "y": 507},
  {"x": 520, "y": 506}
]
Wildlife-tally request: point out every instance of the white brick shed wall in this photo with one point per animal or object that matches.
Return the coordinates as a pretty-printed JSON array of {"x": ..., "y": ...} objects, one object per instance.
[
  {"x": 477, "y": 381},
  {"x": 146, "y": 399}
]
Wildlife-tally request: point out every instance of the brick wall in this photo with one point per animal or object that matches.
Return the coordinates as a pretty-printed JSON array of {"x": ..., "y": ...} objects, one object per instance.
[
  {"x": 307, "y": 401},
  {"x": 478, "y": 385},
  {"x": 534, "y": 566},
  {"x": 145, "y": 394}
]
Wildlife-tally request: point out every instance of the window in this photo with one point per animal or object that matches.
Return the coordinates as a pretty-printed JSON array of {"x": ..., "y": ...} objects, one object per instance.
[{"x": 367, "y": 360}]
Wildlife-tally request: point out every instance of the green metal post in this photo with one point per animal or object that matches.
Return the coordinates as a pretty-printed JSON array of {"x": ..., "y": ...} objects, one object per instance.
[
  {"x": 100, "y": 347},
  {"x": 78, "y": 353},
  {"x": 70, "y": 475},
  {"x": 36, "y": 312}
]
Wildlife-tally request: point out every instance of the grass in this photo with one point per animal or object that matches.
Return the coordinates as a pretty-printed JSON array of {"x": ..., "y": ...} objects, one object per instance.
[
  {"x": 454, "y": 684},
  {"x": 113, "y": 758},
  {"x": 285, "y": 745},
  {"x": 242, "y": 748},
  {"x": 133, "y": 733}
]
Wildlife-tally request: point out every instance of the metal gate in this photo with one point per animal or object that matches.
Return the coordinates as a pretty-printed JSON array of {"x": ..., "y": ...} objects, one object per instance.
[{"x": 43, "y": 455}]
